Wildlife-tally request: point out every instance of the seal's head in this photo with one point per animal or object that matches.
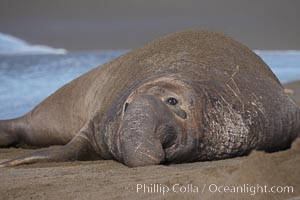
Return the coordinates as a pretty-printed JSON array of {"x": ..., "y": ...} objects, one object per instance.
[{"x": 158, "y": 124}]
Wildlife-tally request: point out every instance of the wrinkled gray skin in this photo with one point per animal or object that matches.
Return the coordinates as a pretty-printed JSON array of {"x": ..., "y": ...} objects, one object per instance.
[{"x": 228, "y": 103}]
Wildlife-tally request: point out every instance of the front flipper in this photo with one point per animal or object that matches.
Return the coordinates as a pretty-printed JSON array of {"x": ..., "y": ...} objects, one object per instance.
[{"x": 79, "y": 148}]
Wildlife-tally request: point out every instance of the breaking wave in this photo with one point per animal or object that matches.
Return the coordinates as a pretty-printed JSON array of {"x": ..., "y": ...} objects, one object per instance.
[{"x": 10, "y": 45}]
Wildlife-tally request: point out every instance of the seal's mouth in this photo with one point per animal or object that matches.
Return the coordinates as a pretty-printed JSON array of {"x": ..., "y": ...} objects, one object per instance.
[
  {"x": 169, "y": 154},
  {"x": 179, "y": 153},
  {"x": 168, "y": 136}
]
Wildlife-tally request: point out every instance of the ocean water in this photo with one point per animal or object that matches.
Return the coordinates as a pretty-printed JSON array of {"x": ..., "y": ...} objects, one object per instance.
[{"x": 30, "y": 73}]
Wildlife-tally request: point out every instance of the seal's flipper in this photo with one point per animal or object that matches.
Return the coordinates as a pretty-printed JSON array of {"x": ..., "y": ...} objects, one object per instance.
[{"x": 77, "y": 149}]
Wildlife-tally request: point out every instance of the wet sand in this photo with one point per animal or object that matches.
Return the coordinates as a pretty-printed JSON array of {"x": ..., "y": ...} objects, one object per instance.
[{"x": 254, "y": 175}]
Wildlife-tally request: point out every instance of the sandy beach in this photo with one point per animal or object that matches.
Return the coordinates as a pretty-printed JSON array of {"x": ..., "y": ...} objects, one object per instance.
[{"x": 255, "y": 175}]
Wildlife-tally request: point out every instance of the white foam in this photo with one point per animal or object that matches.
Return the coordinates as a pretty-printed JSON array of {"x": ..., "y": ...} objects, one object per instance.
[{"x": 10, "y": 45}]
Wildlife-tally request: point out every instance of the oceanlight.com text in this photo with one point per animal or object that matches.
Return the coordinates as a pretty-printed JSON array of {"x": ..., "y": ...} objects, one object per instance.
[{"x": 250, "y": 189}]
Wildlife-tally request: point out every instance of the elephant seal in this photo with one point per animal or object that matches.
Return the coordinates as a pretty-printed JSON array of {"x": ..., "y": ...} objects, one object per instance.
[{"x": 190, "y": 96}]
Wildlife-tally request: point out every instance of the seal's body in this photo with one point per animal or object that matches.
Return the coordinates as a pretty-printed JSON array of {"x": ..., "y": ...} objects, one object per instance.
[{"x": 189, "y": 96}]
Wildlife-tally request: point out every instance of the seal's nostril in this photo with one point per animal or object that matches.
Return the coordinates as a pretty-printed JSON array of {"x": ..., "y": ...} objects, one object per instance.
[{"x": 125, "y": 106}]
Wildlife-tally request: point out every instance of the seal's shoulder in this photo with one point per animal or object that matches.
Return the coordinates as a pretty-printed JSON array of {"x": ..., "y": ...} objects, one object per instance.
[
  {"x": 193, "y": 41},
  {"x": 196, "y": 35}
]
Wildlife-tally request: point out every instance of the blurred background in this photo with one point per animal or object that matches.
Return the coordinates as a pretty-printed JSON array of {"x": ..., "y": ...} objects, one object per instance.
[{"x": 117, "y": 24}]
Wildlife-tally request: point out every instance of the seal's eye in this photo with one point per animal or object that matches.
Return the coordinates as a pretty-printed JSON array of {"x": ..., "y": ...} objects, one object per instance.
[{"x": 172, "y": 101}]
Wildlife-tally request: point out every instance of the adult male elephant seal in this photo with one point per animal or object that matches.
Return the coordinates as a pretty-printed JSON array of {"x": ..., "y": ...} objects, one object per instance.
[{"x": 189, "y": 96}]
